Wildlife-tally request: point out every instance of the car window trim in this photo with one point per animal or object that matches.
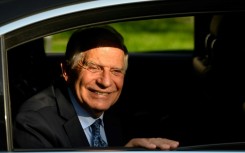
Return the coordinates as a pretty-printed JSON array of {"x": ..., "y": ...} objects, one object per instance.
[{"x": 62, "y": 11}]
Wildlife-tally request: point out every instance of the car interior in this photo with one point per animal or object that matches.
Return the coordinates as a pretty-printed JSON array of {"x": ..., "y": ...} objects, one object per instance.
[
  {"x": 195, "y": 97},
  {"x": 219, "y": 66}
]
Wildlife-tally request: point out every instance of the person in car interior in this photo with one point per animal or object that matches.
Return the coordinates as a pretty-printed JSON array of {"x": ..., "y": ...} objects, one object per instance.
[{"x": 71, "y": 113}]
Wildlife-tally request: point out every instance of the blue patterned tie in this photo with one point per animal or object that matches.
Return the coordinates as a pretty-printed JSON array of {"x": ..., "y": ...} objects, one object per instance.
[{"x": 97, "y": 140}]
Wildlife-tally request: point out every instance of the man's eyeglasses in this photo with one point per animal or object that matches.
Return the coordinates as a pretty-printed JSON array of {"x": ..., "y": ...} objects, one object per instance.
[{"x": 95, "y": 68}]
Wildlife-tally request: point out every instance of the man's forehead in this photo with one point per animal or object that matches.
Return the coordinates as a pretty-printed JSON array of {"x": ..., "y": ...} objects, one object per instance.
[
  {"x": 105, "y": 52},
  {"x": 106, "y": 56}
]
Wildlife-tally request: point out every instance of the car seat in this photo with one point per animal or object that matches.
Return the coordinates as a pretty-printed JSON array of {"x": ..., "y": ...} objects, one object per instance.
[{"x": 203, "y": 63}]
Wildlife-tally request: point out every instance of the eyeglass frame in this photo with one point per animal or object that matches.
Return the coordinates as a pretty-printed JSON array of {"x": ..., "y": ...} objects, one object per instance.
[{"x": 96, "y": 68}]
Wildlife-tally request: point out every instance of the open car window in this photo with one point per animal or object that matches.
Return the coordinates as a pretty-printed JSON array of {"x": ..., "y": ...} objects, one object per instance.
[{"x": 161, "y": 69}]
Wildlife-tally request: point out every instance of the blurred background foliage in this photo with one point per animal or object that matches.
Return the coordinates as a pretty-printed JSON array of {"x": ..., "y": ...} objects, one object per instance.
[{"x": 176, "y": 33}]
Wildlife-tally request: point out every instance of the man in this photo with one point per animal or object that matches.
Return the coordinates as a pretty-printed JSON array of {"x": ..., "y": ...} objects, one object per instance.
[{"x": 63, "y": 115}]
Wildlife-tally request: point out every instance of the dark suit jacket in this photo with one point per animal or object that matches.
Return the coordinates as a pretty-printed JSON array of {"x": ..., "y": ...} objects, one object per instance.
[{"x": 49, "y": 120}]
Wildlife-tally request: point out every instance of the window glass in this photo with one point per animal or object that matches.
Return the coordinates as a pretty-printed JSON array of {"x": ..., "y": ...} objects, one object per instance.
[
  {"x": 158, "y": 34},
  {"x": 168, "y": 34}
]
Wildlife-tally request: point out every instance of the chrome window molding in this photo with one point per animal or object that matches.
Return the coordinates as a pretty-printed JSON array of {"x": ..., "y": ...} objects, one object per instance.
[
  {"x": 62, "y": 11},
  {"x": 5, "y": 99}
]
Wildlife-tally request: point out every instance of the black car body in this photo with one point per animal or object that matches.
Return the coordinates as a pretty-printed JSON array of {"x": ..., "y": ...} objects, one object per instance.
[{"x": 170, "y": 93}]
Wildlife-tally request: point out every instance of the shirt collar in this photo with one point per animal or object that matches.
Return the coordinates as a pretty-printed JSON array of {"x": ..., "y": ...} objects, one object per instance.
[{"x": 84, "y": 117}]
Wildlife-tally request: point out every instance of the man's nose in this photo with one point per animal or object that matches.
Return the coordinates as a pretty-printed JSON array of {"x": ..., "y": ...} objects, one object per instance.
[{"x": 105, "y": 78}]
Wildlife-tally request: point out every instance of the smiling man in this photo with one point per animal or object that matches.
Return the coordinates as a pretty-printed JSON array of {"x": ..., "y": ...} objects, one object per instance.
[{"x": 71, "y": 113}]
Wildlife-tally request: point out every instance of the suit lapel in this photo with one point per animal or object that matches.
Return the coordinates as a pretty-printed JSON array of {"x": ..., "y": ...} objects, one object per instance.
[
  {"x": 72, "y": 126},
  {"x": 75, "y": 133}
]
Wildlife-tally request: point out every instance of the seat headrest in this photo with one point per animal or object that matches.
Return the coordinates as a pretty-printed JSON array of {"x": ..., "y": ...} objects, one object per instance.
[
  {"x": 224, "y": 44},
  {"x": 215, "y": 23}
]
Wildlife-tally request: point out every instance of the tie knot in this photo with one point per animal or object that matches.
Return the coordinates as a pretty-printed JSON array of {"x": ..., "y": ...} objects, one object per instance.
[{"x": 96, "y": 124}]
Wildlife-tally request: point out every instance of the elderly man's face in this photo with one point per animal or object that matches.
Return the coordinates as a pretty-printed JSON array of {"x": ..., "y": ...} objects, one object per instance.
[{"x": 99, "y": 80}]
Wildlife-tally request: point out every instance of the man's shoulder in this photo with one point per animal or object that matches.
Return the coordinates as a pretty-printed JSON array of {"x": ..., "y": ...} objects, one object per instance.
[{"x": 44, "y": 98}]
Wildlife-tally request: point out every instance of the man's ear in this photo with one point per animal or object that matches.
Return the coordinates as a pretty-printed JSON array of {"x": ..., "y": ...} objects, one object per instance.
[{"x": 64, "y": 71}]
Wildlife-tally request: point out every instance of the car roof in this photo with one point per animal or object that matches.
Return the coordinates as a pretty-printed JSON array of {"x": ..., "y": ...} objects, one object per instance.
[
  {"x": 11, "y": 13},
  {"x": 28, "y": 7},
  {"x": 64, "y": 17}
]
